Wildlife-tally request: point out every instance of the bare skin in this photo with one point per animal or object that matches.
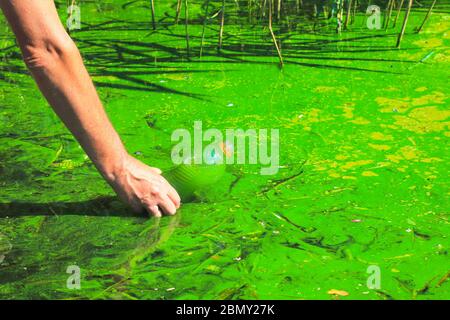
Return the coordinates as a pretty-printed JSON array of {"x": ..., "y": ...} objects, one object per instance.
[{"x": 57, "y": 67}]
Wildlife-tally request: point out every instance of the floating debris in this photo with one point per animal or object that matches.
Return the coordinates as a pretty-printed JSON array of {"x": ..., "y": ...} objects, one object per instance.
[
  {"x": 335, "y": 292},
  {"x": 429, "y": 55}
]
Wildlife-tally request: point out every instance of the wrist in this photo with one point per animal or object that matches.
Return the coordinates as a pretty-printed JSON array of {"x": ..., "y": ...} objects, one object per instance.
[{"x": 113, "y": 167}]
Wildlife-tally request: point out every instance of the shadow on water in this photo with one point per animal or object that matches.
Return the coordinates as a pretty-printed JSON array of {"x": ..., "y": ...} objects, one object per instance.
[
  {"x": 121, "y": 55},
  {"x": 118, "y": 54},
  {"x": 101, "y": 206}
]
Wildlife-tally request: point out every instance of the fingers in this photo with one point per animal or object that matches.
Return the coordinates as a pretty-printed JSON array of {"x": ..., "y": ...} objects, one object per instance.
[
  {"x": 161, "y": 204},
  {"x": 153, "y": 210},
  {"x": 156, "y": 170},
  {"x": 167, "y": 205},
  {"x": 144, "y": 187},
  {"x": 171, "y": 192},
  {"x": 173, "y": 195}
]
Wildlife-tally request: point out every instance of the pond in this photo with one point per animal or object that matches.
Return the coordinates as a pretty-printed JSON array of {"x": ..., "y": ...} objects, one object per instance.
[{"x": 363, "y": 171}]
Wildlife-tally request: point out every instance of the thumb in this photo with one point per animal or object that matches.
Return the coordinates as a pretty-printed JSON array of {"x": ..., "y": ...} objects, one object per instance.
[{"x": 156, "y": 170}]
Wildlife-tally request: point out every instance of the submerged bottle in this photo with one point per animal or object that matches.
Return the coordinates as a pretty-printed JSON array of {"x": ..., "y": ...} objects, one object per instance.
[{"x": 189, "y": 177}]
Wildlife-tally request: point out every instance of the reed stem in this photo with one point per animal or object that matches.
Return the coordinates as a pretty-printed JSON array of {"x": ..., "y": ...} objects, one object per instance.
[
  {"x": 405, "y": 22},
  {"x": 427, "y": 16},
  {"x": 222, "y": 23},
  {"x": 204, "y": 27},
  {"x": 273, "y": 35},
  {"x": 399, "y": 9},
  {"x": 186, "y": 23},
  {"x": 152, "y": 3}
]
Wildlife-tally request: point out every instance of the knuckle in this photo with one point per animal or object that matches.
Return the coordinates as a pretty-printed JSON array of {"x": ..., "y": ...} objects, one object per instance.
[
  {"x": 156, "y": 191},
  {"x": 146, "y": 202}
]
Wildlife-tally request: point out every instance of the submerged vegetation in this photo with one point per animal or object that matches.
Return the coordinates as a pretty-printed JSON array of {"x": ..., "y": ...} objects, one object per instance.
[{"x": 363, "y": 177}]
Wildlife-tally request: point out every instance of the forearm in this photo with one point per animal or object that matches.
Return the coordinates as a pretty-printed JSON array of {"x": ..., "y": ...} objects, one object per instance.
[
  {"x": 58, "y": 69},
  {"x": 69, "y": 90}
]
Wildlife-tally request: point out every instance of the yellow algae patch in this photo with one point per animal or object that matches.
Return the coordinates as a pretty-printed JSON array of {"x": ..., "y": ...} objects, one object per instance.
[
  {"x": 409, "y": 153},
  {"x": 176, "y": 76},
  {"x": 325, "y": 165},
  {"x": 430, "y": 160},
  {"x": 349, "y": 177},
  {"x": 430, "y": 113},
  {"x": 341, "y": 157},
  {"x": 383, "y": 164},
  {"x": 394, "y": 158},
  {"x": 435, "y": 97},
  {"x": 347, "y": 108},
  {"x": 360, "y": 120},
  {"x": 326, "y": 89},
  {"x": 380, "y": 147},
  {"x": 306, "y": 119},
  {"x": 421, "y": 89},
  {"x": 388, "y": 104},
  {"x": 390, "y": 126},
  {"x": 430, "y": 175},
  {"x": 348, "y": 113},
  {"x": 403, "y": 104},
  {"x": 439, "y": 27},
  {"x": 333, "y": 174},
  {"x": 443, "y": 56},
  {"x": 68, "y": 164},
  {"x": 353, "y": 164},
  {"x": 422, "y": 120},
  {"x": 369, "y": 174},
  {"x": 380, "y": 136},
  {"x": 429, "y": 43},
  {"x": 313, "y": 115},
  {"x": 216, "y": 85},
  {"x": 412, "y": 56}
]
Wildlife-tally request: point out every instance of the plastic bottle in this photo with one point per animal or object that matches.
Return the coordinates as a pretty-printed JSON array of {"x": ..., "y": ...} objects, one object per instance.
[{"x": 188, "y": 177}]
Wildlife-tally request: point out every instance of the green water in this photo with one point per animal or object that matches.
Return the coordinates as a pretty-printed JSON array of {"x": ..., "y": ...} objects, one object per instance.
[{"x": 363, "y": 176}]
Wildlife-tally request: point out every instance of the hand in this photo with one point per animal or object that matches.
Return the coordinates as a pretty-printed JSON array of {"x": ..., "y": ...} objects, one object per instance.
[{"x": 144, "y": 188}]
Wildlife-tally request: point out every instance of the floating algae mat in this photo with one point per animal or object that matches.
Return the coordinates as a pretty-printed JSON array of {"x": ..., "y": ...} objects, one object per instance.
[{"x": 362, "y": 183}]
